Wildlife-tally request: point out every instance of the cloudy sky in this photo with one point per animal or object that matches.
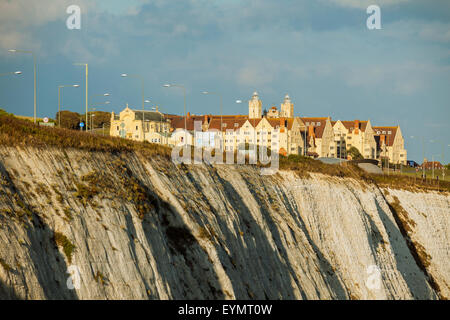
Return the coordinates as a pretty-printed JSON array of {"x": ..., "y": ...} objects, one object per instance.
[{"x": 319, "y": 52}]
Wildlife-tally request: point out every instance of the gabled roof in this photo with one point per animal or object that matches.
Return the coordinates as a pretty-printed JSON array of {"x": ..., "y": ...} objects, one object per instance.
[
  {"x": 148, "y": 115},
  {"x": 318, "y": 129},
  {"x": 227, "y": 123},
  {"x": 389, "y": 138},
  {"x": 351, "y": 125},
  {"x": 178, "y": 123}
]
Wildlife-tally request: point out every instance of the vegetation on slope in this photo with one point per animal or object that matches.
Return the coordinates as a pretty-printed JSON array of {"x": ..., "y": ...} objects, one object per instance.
[{"x": 18, "y": 132}]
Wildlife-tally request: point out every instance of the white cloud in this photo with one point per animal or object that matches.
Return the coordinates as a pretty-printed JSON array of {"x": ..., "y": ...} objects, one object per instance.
[
  {"x": 363, "y": 4},
  {"x": 19, "y": 19}
]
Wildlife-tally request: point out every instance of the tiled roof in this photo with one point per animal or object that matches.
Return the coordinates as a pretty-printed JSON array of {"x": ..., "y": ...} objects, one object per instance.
[
  {"x": 318, "y": 129},
  {"x": 178, "y": 123},
  {"x": 148, "y": 115},
  {"x": 227, "y": 123},
  {"x": 389, "y": 138},
  {"x": 351, "y": 125}
]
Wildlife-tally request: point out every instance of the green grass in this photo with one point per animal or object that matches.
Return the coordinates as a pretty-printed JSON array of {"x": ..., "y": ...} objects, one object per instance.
[{"x": 411, "y": 172}]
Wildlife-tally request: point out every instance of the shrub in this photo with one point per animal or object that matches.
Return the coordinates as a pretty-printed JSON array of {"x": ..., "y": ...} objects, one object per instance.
[{"x": 62, "y": 241}]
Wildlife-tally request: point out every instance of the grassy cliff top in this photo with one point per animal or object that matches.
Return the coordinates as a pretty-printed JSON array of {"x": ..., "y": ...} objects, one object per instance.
[{"x": 19, "y": 132}]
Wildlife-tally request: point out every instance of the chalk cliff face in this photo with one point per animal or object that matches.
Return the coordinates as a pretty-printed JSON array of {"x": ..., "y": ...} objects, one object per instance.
[{"x": 91, "y": 225}]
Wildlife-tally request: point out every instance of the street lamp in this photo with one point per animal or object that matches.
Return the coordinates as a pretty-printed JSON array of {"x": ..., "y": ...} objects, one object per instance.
[
  {"x": 221, "y": 114},
  {"x": 97, "y": 95},
  {"x": 184, "y": 92},
  {"x": 34, "y": 69},
  {"x": 59, "y": 100},
  {"x": 443, "y": 156},
  {"x": 87, "y": 74},
  {"x": 125, "y": 75},
  {"x": 11, "y": 73},
  {"x": 423, "y": 156}
]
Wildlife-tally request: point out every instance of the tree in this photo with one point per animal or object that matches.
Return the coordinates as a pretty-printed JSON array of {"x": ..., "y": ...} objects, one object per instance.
[
  {"x": 69, "y": 119},
  {"x": 354, "y": 153},
  {"x": 100, "y": 118},
  {"x": 447, "y": 166}
]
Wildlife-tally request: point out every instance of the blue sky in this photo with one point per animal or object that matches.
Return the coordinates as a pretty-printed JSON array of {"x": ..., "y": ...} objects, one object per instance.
[{"x": 320, "y": 52}]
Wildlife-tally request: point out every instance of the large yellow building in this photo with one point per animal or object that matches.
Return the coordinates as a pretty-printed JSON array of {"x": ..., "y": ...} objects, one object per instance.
[
  {"x": 150, "y": 126},
  {"x": 278, "y": 130}
]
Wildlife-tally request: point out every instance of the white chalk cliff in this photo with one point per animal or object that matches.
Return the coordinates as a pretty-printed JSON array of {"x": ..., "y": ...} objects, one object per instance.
[{"x": 139, "y": 228}]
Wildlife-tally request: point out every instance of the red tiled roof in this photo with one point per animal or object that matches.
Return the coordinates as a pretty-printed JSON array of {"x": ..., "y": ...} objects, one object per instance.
[
  {"x": 389, "y": 138},
  {"x": 351, "y": 125},
  {"x": 318, "y": 130},
  {"x": 178, "y": 123},
  {"x": 227, "y": 123}
]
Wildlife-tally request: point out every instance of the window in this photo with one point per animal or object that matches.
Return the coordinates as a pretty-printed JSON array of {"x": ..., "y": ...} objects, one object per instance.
[
  {"x": 384, "y": 132},
  {"x": 378, "y": 132},
  {"x": 318, "y": 124},
  {"x": 307, "y": 123},
  {"x": 224, "y": 125},
  {"x": 136, "y": 128},
  {"x": 117, "y": 128}
]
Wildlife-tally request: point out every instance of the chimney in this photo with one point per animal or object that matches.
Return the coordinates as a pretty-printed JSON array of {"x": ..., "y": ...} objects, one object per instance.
[
  {"x": 382, "y": 139},
  {"x": 356, "y": 126},
  {"x": 282, "y": 125},
  {"x": 205, "y": 119},
  {"x": 311, "y": 131},
  {"x": 188, "y": 115}
]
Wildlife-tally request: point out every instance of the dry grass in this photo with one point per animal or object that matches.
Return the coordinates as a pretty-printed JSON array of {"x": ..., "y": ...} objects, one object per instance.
[{"x": 19, "y": 132}]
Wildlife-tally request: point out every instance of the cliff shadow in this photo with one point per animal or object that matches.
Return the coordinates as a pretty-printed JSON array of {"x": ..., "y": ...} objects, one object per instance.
[
  {"x": 329, "y": 275},
  {"x": 255, "y": 268},
  {"x": 48, "y": 263},
  {"x": 182, "y": 263},
  {"x": 398, "y": 238}
]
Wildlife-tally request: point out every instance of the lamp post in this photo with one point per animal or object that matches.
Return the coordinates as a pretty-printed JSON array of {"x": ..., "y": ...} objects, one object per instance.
[
  {"x": 125, "y": 75},
  {"x": 443, "y": 154},
  {"x": 59, "y": 100},
  {"x": 184, "y": 92},
  {"x": 87, "y": 76},
  {"x": 423, "y": 155},
  {"x": 97, "y": 95},
  {"x": 11, "y": 73},
  {"x": 221, "y": 115},
  {"x": 34, "y": 70},
  {"x": 93, "y": 108}
]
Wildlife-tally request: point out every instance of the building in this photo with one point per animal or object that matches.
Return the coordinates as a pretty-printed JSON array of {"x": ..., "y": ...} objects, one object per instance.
[
  {"x": 429, "y": 165},
  {"x": 277, "y": 130},
  {"x": 320, "y": 136},
  {"x": 150, "y": 126},
  {"x": 391, "y": 145},
  {"x": 255, "y": 107},
  {"x": 287, "y": 108},
  {"x": 358, "y": 134}
]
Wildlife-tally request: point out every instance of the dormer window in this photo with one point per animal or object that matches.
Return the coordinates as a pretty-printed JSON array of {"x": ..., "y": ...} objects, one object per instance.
[
  {"x": 236, "y": 125},
  {"x": 318, "y": 124},
  {"x": 389, "y": 132}
]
